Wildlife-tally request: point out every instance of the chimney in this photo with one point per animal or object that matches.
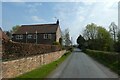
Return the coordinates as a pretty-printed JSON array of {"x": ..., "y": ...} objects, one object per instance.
[{"x": 57, "y": 22}]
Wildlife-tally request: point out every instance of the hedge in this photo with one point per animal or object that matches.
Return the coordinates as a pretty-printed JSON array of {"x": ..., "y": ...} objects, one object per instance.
[
  {"x": 109, "y": 59},
  {"x": 14, "y": 50}
]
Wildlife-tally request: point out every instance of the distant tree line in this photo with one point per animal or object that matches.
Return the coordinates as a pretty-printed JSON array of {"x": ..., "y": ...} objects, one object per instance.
[
  {"x": 10, "y": 32},
  {"x": 98, "y": 38}
]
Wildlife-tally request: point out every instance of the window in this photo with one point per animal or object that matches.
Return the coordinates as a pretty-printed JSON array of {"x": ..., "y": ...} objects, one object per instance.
[
  {"x": 47, "y": 36},
  {"x": 35, "y": 36},
  {"x": 29, "y": 36},
  {"x": 19, "y": 36}
]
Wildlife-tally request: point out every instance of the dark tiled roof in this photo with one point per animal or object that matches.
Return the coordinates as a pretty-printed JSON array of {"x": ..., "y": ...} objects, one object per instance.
[{"x": 40, "y": 28}]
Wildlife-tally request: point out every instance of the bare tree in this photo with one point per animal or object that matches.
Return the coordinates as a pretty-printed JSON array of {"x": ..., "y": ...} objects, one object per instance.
[
  {"x": 90, "y": 31},
  {"x": 66, "y": 37},
  {"x": 113, "y": 29}
]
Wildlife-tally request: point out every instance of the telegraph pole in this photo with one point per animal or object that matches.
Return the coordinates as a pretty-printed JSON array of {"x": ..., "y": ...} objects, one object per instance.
[
  {"x": 26, "y": 37},
  {"x": 36, "y": 37}
]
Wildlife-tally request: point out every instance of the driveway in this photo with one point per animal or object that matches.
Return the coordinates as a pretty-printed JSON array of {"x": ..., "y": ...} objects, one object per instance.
[{"x": 80, "y": 65}]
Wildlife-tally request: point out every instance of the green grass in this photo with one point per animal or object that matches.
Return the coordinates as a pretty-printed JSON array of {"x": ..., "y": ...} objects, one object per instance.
[
  {"x": 108, "y": 59},
  {"x": 44, "y": 70}
]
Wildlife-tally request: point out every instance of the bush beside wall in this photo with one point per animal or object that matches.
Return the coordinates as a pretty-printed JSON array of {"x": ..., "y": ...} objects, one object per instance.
[
  {"x": 109, "y": 59},
  {"x": 14, "y": 50}
]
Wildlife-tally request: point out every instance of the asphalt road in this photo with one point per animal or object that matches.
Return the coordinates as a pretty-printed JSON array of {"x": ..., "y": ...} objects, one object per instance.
[{"x": 80, "y": 65}]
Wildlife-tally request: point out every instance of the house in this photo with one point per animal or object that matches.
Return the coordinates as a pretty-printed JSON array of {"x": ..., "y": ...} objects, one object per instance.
[{"x": 38, "y": 33}]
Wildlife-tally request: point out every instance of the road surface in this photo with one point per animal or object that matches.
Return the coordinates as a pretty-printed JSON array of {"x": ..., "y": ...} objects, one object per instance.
[{"x": 80, "y": 65}]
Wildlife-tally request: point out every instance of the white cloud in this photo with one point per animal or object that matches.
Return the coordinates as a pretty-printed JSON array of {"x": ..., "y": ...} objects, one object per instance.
[
  {"x": 119, "y": 16},
  {"x": 71, "y": 17},
  {"x": 33, "y": 7},
  {"x": 37, "y": 19},
  {"x": 77, "y": 17},
  {"x": 12, "y": 0},
  {"x": 102, "y": 14},
  {"x": 60, "y": 1}
]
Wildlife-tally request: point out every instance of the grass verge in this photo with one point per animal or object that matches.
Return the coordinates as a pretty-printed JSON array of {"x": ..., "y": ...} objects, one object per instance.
[
  {"x": 109, "y": 59},
  {"x": 44, "y": 70}
]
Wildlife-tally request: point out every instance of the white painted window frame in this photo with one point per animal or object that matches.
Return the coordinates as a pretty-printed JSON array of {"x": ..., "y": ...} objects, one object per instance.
[
  {"x": 29, "y": 36},
  {"x": 19, "y": 37},
  {"x": 47, "y": 36}
]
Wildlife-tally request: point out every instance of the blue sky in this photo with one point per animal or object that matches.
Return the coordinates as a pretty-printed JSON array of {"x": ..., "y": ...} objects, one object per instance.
[{"x": 72, "y": 15}]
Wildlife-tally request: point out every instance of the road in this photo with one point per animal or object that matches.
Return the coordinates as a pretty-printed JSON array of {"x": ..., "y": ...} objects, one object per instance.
[{"x": 80, "y": 65}]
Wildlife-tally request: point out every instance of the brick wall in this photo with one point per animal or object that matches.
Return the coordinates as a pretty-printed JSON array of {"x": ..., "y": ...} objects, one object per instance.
[{"x": 14, "y": 68}]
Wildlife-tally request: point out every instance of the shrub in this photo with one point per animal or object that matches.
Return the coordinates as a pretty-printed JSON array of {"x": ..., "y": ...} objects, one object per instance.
[
  {"x": 109, "y": 59},
  {"x": 14, "y": 50},
  {"x": 69, "y": 48},
  {"x": 56, "y": 43}
]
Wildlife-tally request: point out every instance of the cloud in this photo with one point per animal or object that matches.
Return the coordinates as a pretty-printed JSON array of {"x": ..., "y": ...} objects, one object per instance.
[
  {"x": 103, "y": 14},
  {"x": 33, "y": 7},
  {"x": 119, "y": 15},
  {"x": 37, "y": 19},
  {"x": 71, "y": 16},
  {"x": 12, "y": 0},
  {"x": 60, "y": 1},
  {"x": 34, "y": 4},
  {"x": 80, "y": 14}
]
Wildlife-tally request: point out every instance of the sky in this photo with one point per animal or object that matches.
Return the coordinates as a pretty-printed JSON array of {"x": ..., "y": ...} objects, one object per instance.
[{"x": 72, "y": 14}]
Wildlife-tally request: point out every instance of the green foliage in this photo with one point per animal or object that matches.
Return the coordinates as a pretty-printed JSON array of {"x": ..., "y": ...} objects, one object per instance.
[
  {"x": 70, "y": 49},
  {"x": 15, "y": 50},
  {"x": 56, "y": 43},
  {"x": 15, "y": 28},
  {"x": 60, "y": 41},
  {"x": 104, "y": 39},
  {"x": 109, "y": 59},
  {"x": 117, "y": 43},
  {"x": 81, "y": 42},
  {"x": 90, "y": 31},
  {"x": 98, "y": 38},
  {"x": 118, "y": 35}
]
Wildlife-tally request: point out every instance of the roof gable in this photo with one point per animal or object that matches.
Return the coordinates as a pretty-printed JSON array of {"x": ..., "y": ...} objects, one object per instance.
[{"x": 40, "y": 28}]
